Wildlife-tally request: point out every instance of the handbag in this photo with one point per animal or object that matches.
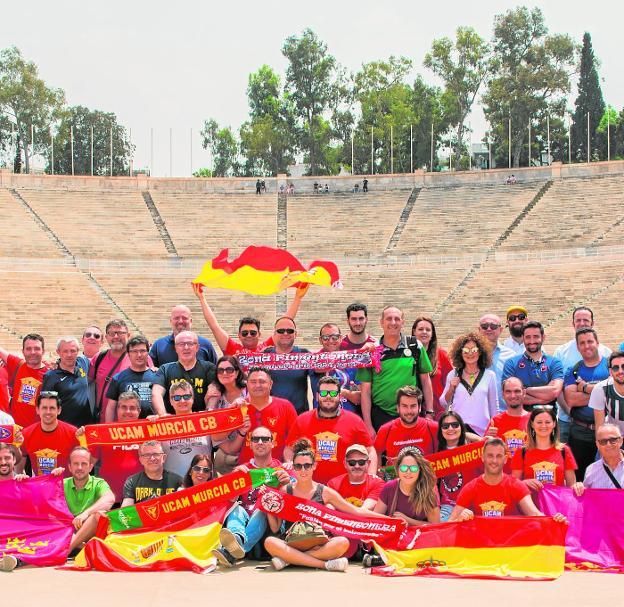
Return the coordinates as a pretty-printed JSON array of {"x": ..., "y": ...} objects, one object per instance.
[{"x": 304, "y": 536}]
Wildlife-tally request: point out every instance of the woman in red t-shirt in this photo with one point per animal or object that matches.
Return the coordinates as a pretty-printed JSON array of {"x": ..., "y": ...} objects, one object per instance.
[
  {"x": 544, "y": 461},
  {"x": 424, "y": 330}
]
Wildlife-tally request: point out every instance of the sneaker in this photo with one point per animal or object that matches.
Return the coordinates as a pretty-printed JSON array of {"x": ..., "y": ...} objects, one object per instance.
[
  {"x": 340, "y": 564},
  {"x": 231, "y": 543},
  {"x": 372, "y": 560},
  {"x": 8, "y": 562},
  {"x": 278, "y": 563},
  {"x": 224, "y": 558}
]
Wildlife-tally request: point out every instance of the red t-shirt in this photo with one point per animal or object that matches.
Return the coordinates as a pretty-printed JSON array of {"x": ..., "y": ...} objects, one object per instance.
[
  {"x": 493, "y": 500},
  {"x": 248, "y": 500},
  {"x": 394, "y": 436},
  {"x": 545, "y": 465},
  {"x": 4, "y": 391},
  {"x": 330, "y": 438},
  {"x": 278, "y": 416},
  {"x": 356, "y": 494},
  {"x": 513, "y": 430},
  {"x": 26, "y": 388},
  {"x": 117, "y": 463},
  {"x": 48, "y": 450},
  {"x": 232, "y": 348},
  {"x": 347, "y": 344},
  {"x": 438, "y": 380}
]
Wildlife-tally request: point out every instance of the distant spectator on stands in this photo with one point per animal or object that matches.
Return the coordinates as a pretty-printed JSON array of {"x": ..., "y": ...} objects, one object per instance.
[
  {"x": 326, "y": 189},
  {"x": 357, "y": 337},
  {"x": 163, "y": 349},
  {"x": 356, "y": 188},
  {"x": 258, "y": 186},
  {"x": 316, "y": 187},
  {"x": 365, "y": 185},
  {"x": 263, "y": 186},
  {"x": 516, "y": 318}
]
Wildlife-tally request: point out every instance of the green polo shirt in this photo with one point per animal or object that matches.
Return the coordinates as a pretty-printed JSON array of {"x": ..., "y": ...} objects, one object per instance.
[{"x": 78, "y": 500}]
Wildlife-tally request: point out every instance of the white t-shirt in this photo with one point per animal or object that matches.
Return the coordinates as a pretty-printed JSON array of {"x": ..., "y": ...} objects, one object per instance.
[
  {"x": 180, "y": 452},
  {"x": 613, "y": 406}
]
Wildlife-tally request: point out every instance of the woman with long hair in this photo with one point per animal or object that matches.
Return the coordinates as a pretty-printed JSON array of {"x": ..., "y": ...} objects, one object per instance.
[
  {"x": 229, "y": 384},
  {"x": 424, "y": 330},
  {"x": 412, "y": 496},
  {"x": 471, "y": 387},
  {"x": 545, "y": 460}
]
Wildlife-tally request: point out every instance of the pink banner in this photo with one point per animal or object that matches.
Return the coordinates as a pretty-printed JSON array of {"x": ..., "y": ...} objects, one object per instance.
[
  {"x": 594, "y": 539},
  {"x": 320, "y": 361},
  {"x": 35, "y": 523}
]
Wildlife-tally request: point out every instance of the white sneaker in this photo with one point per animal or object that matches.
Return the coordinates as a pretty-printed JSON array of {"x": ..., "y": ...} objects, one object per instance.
[
  {"x": 278, "y": 563},
  {"x": 230, "y": 542},
  {"x": 8, "y": 562},
  {"x": 340, "y": 564}
]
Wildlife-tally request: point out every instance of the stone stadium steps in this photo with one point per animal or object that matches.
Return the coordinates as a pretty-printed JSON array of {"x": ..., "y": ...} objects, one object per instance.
[
  {"x": 10, "y": 339},
  {"x": 201, "y": 224},
  {"x": 160, "y": 224}
]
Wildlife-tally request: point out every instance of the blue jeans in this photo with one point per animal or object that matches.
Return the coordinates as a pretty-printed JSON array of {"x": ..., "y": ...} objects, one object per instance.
[
  {"x": 564, "y": 430},
  {"x": 249, "y": 528}
]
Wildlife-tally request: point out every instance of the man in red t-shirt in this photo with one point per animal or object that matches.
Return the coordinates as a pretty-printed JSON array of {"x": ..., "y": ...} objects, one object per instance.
[
  {"x": 48, "y": 442},
  {"x": 248, "y": 327},
  {"x": 25, "y": 378},
  {"x": 511, "y": 425},
  {"x": 495, "y": 494},
  {"x": 409, "y": 429},
  {"x": 331, "y": 430},
  {"x": 357, "y": 486}
]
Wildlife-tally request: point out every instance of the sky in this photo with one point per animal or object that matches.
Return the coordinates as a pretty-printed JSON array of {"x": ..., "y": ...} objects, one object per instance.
[{"x": 169, "y": 66}]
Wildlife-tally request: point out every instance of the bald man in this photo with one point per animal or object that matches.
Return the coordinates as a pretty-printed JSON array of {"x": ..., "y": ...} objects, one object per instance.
[{"x": 163, "y": 349}]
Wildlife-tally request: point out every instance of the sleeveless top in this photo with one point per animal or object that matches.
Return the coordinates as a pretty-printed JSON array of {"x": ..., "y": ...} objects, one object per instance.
[{"x": 317, "y": 497}]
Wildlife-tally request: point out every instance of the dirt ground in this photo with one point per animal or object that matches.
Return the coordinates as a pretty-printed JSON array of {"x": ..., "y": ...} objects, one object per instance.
[{"x": 258, "y": 582}]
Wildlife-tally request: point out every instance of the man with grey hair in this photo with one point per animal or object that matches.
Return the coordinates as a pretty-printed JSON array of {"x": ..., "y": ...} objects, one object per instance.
[
  {"x": 608, "y": 471},
  {"x": 69, "y": 380}
]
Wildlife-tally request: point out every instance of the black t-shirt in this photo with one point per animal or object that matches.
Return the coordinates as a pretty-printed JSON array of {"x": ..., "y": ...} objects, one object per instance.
[
  {"x": 140, "y": 487},
  {"x": 200, "y": 377},
  {"x": 292, "y": 385},
  {"x": 140, "y": 382}
]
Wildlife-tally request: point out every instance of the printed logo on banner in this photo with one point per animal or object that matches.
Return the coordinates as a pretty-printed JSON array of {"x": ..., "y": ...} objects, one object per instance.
[
  {"x": 153, "y": 511},
  {"x": 272, "y": 502},
  {"x": 4, "y": 433}
]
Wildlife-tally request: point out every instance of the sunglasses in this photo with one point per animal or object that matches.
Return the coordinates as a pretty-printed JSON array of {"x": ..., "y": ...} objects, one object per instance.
[
  {"x": 332, "y": 337},
  {"x": 413, "y": 468},
  {"x": 201, "y": 469},
  {"x": 303, "y": 466},
  {"x": 447, "y": 425},
  {"x": 249, "y": 333},
  {"x": 543, "y": 408},
  {"x": 612, "y": 440},
  {"x": 513, "y": 317},
  {"x": 94, "y": 335},
  {"x": 226, "y": 370},
  {"x": 261, "y": 439},
  {"x": 178, "y": 397},
  {"x": 490, "y": 325},
  {"x": 332, "y": 393},
  {"x": 48, "y": 394},
  {"x": 474, "y": 350},
  {"x": 357, "y": 462},
  {"x": 285, "y": 331},
  {"x": 617, "y": 368}
]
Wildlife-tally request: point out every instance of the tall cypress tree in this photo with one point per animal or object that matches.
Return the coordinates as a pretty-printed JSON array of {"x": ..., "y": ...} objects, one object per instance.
[{"x": 589, "y": 100}]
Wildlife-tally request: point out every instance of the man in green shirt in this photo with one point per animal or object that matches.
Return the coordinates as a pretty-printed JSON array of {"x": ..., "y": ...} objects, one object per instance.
[
  {"x": 404, "y": 362},
  {"x": 86, "y": 496}
]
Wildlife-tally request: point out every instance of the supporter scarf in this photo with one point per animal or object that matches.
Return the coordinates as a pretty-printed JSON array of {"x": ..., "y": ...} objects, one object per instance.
[
  {"x": 161, "y": 510},
  {"x": 7, "y": 433},
  {"x": 456, "y": 460},
  {"x": 342, "y": 359},
  {"x": 596, "y": 529},
  {"x": 384, "y": 531},
  {"x": 166, "y": 428}
]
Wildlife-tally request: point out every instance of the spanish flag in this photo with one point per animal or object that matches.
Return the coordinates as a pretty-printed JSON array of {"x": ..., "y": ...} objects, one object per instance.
[
  {"x": 527, "y": 548},
  {"x": 182, "y": 545},
  {"x": 265, "y": 271}
]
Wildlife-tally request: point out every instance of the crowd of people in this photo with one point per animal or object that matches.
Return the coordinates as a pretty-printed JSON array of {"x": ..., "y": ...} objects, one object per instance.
[{"x": 360, "y": 445}]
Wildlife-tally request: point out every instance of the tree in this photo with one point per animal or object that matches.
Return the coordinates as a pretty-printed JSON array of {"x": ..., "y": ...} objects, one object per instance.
[
  {"x": 607, "y": 129},
  {"x": 463, "y": 66},
  {"x": 26, "y": 102},
  {"x": 311, "y": 83},
  {"x": 589, "y": 101},
  {"x": 76, "y": 124},
  {"x": 224, "y": 148},
  {"x": 532, "y": 78}
]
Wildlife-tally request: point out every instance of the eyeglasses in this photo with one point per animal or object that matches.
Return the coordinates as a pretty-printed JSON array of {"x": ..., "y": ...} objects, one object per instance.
[
  {"x": 332, "y": 393},
  {"x": 490, "y": 325},
  {"x": 357, "y": 462},
  {"x": 261, "y": 439},
  {"x": 116, "y": 333},
  {"x": 178, "y": 397},
  {"x": 513, "y": 317},
  {"x": 474, "y": 350},
  {"x": 303, "y": 466},
  {"x": 226, "y": 370},
  {"x": 48, "y": 394},
  {"x": 128, "y": 408},
  {"x": 201, "y": 469},
  {"x": 142, "y": 351},
  {"x": 286, "y": 331},
  {"x": 617, "y": 368},
  {"x": 249, "y": 333},
  {"x": 413, "y": 468},
  {"x": 186, "y": 344},
  {"x": 612, "y": 440},
  {"x": 447, "y": 425},
  {"x": 332, "y": 337},
  {"x": 543, "y": 408},
  {"x": 94, "y": 335},
  {"x": 151, "y": 455}
]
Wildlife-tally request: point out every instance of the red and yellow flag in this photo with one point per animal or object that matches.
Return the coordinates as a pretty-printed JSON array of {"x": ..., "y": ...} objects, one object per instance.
[{"x": 265, "y": 271}]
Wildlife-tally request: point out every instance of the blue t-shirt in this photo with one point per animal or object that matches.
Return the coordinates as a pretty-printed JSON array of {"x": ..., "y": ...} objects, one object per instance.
[
  {"x": 292, "y": 385},
  {"x": 138, "y": 381},
  {"x": 163, "y": 351},
  {"x": 591, "y": 375},
  {"x": 533, "y": 374}
]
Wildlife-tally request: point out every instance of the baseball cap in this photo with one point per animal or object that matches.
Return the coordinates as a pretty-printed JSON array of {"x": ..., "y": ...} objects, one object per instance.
[
  {"x": 511, "y": 309},
  {"x": 357, "y": 448}
]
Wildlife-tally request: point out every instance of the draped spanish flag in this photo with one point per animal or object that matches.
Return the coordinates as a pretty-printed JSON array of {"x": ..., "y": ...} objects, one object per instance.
[
  {"x": 528, "y": 548},
  {"x": 265, "y": 271}
]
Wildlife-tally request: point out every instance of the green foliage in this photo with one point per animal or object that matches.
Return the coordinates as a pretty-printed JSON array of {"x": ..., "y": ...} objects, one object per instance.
[
  {"x": 202, "y": 172},
  {"x": 224, "y": 148}
]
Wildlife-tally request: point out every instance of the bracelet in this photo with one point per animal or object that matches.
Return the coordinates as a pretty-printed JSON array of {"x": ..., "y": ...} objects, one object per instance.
[{"x": 429, "y": 412}]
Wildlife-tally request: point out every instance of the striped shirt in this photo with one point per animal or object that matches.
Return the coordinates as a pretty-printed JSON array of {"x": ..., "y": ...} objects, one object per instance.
[{"x": 596, "y": 476}]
